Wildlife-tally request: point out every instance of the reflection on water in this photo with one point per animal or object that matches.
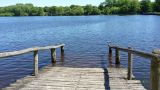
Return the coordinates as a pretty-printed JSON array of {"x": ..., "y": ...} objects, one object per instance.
[{"x": 85, "y": 38}]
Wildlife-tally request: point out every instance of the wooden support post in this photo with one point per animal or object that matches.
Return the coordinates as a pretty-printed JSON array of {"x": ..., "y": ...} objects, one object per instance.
[
  {"x": 53, "y": 55},
  {"x": 110, "y": 53},
  {"x": 62, "y": 54},
  {"x": 155, "y": 73},
  {"x": 62, "y": 50},
  {"x": 130, "y": 56},
  {"x": 117, "y": 56},
  {"x": 36, "y": 63}
]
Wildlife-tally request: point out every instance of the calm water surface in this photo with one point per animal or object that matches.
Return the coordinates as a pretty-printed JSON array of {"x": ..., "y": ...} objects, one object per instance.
[{"x": 85, "y": 38}]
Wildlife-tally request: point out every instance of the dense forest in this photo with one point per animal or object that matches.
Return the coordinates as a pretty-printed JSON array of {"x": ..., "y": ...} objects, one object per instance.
[{"x": 109, "y": 7}]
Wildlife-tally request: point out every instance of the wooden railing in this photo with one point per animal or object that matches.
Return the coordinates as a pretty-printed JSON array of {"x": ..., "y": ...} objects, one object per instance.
[
  {"x": 35, "y": 50},
  {"x": 155, "y": 63}
]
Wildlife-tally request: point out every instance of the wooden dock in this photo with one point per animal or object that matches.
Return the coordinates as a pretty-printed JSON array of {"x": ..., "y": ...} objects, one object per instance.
[
  {"x": 118, "y": 80},
  {"x": 65, "y": 78},
  {"x": 68, "y": 78}
]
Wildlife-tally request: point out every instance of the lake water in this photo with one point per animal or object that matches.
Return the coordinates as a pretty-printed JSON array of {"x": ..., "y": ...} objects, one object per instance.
[{"x": 85, "y": 38}]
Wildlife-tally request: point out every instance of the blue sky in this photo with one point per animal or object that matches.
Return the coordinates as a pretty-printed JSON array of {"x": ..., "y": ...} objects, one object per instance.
[{"x": 51, "y": 2}]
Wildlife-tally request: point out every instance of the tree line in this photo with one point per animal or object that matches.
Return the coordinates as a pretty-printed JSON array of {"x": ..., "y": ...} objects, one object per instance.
[{"x": 109, "y": 7}]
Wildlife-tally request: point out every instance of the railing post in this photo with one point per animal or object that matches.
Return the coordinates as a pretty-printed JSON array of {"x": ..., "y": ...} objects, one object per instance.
[
  {"x": 62, "y": 50},
  {"x": 62, "y": 54},
  {"x": 117, "y": 56},
  {"x": 53, "y": 55},
  {"x": 155, "y": 72},
  {"x": 36, "y": 62},
  {"x": 130, "y": 56},
  {"x": 110, "y": 53}
]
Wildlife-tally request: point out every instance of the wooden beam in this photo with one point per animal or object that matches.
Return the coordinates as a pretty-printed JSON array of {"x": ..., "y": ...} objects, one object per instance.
[
  {"x": 140, "y": 53},
  {"x": 19, "y": 52}
]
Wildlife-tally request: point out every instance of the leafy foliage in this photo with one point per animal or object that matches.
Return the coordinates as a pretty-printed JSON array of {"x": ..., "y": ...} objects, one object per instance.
[{"x": 105, "y": 8}]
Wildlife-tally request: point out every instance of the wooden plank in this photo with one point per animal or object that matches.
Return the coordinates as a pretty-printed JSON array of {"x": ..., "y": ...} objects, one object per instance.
[
  {"x": 19, "y": 52},
  {"x": 69, "y": 79},
  {"x": 65, "y": 78},
  {"x": 119, "y": 81}
]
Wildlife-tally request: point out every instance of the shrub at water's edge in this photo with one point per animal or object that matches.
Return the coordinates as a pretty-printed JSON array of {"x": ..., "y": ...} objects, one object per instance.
[{"x": 109, "y": 7}]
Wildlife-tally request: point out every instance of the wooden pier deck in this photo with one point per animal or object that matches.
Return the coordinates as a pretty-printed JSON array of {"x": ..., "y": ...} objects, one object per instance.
[
  {"x": 69, "y": 78},
  {"x": 65, "y": 78}
]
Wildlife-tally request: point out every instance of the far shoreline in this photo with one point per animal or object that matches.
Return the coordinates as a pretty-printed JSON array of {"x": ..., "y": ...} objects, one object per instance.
[{"x": 145, "y": 14}]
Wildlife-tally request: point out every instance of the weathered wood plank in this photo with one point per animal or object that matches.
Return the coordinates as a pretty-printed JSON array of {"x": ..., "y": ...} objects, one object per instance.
[{"x": 119, "y": 81}]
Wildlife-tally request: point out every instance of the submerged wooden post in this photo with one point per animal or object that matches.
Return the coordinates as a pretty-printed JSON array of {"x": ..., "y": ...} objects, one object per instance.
[
  {"x": 62, "y": 50},
  {"x": 110, "y": 53},
  {"x": 62, "y": 54},
  {"x": 117, "y": 56},
  {"x": 36, "y": 62},
  {"x": 155, "y": 72},
  {"x": 130, "y": 56},
  {"x": 53, "y": 55}
]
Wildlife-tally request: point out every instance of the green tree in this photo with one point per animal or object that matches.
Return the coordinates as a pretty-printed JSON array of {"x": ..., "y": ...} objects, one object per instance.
[
  {"x": 46, "y": 11},
  {"x": 134, "y": 7},
  {"x": 76, "y": 10},
  {"x": 108, "y": 7},
  {"x": 146, "y": 6},
  {"x": 106, "y": 11},
  {"x": 88, "y": 9},
  {"x": 28, "y": 8},
  {"x": 40, "y": 11},
  {"x": 114, "y": 10},
  {"x": 101, "y": 7},
  {"x": 51, "y": 11},
  {"x": 124, "y": 6},
  {"x": 67, "y": 11},
  {"x": 110, "y": 3},
  {"x": 95, "y": 11},
  {"x": 91, "y": 10},
  {"x": 59, "y": 11},
  {"x": 18, "y": 11},
  {"x": 157, "y": 5}
]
